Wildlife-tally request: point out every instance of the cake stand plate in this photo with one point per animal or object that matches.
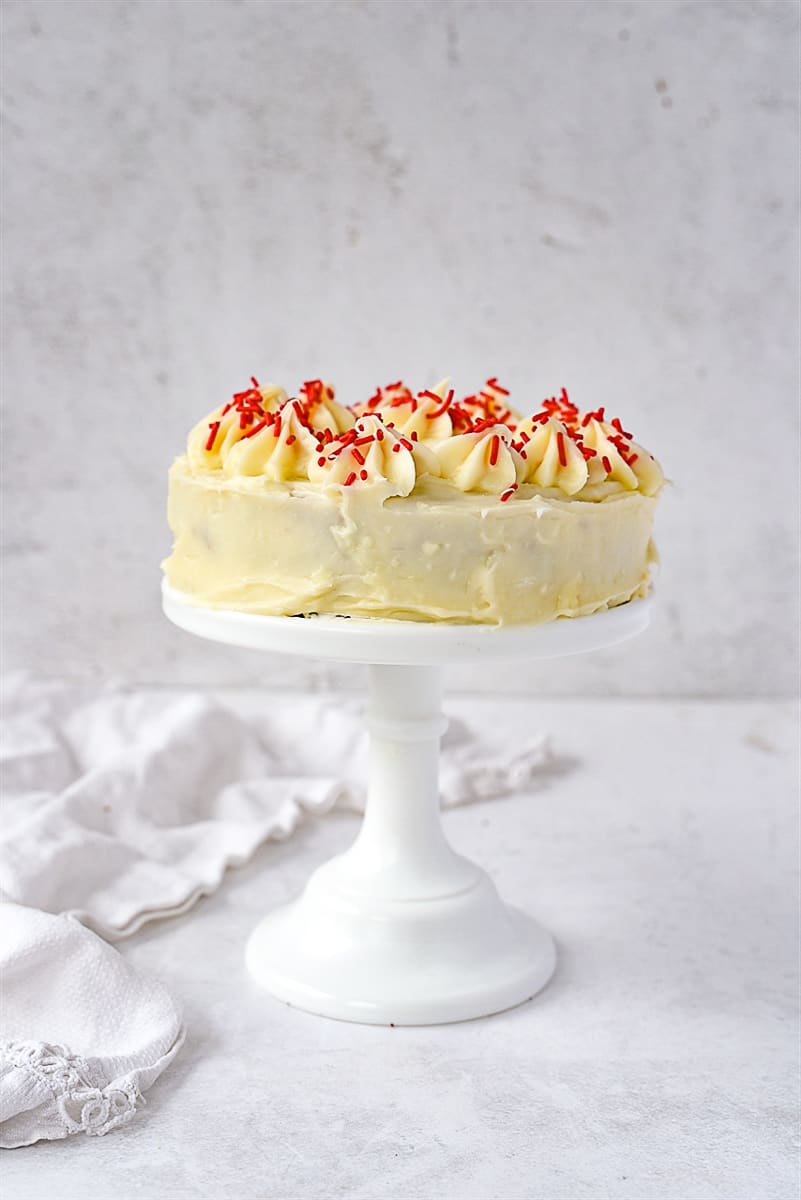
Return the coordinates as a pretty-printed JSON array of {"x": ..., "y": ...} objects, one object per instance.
[{"x": 401, "y": 930}]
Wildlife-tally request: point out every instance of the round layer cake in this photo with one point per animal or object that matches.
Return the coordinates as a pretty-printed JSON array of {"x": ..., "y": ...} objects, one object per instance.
[{"x": 411, "y": 506}]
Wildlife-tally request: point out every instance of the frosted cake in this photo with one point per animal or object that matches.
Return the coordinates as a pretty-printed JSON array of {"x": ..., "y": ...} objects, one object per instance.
[{"x": 412, "y": 506}]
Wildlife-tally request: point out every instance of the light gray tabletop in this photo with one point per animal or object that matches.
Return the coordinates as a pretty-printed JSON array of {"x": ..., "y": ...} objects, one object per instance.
[{"x": 661, "y": 1062}]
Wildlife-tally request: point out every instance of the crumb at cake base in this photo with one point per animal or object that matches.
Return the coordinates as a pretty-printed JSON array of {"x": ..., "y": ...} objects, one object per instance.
[{"x": 288, "y": 548}]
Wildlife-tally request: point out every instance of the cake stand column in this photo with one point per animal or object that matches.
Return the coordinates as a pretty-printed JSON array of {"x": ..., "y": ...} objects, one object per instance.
[
  {"x": 401, "y": 852},
  {"x": 401, "y": 930}
]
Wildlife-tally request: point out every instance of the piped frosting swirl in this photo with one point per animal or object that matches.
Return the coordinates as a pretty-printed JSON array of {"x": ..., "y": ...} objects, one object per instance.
[
  {"x": 368, "y": 454},
  {"x": 477, "y": 444},
  {"x": 482, "y": 460}
]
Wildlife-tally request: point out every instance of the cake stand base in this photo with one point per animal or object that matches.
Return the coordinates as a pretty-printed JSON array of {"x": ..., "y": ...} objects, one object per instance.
[
  {"x": 401, "y": 962},
  {"x": 400, "y": 929}
]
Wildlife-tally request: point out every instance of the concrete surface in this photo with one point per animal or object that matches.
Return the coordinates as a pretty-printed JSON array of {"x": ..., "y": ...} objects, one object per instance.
[{"x": 660, "y": 1064}]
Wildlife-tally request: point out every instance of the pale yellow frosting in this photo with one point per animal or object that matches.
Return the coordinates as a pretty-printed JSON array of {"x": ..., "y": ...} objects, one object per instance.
[
  {"x": 552, "y": 458},
  {"x": 212, "y": 437},
  {"x": 412, "y": 506},
  {"x": 481, "y": 462},
  {"x": 375, "y": 455},
  {"x": 423, "y": 416}
]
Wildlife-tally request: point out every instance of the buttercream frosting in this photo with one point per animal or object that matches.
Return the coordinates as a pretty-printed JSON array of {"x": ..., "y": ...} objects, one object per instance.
[{"x": 411, "y": 505}]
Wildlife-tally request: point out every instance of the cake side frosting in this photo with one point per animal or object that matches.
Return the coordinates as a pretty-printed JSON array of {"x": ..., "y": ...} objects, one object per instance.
[{"x": 413, "y": 506}]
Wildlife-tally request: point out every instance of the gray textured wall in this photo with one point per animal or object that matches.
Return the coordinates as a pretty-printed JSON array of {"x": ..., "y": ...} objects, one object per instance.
[{"x": 595, "y": 194}]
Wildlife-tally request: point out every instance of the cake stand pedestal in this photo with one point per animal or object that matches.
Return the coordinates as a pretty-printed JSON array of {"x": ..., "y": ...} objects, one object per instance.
[{"x": 401, "y": 930}]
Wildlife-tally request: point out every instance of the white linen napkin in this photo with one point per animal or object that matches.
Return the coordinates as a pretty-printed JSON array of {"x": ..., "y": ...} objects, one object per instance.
[
  {"x": 111, "y": 1031},
  {"x": 127, "y": 806}
]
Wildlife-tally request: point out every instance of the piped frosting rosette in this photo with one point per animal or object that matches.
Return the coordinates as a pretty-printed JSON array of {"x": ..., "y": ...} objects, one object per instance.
[
  {"x": 212, "y": 438},
  {"x": 369, "y": 454},
  {"x": 482, "y": 460},
  {"x": 552, "y": 458},
  {"x": 397, "y": 438}
]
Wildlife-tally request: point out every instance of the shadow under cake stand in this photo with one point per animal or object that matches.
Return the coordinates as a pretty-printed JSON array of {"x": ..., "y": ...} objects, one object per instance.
[{"x": 400, "y": 929}]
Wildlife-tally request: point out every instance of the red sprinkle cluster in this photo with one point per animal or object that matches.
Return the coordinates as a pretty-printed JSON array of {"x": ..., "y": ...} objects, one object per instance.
[
  {"x": 563, "y": 409},
  {"x": 486, "y": 405},
  {"x": 330, "y": 448},
  {"x": 472, "y": 414},
  {"x": 253, "y": 417}
]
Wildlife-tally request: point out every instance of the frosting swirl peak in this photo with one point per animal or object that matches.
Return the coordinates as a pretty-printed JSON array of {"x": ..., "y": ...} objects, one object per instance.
[
  {"x": 367, "y": 455},
  {"x": 552, "y": 457},
  {"x": 482, "y": 460}
]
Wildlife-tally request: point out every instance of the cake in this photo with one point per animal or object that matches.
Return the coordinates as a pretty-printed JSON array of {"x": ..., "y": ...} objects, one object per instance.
[{"x": 411, "y": 506}]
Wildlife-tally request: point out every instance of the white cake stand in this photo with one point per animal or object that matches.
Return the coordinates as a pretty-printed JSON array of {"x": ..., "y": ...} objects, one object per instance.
[{"x": 401, "y": 930}]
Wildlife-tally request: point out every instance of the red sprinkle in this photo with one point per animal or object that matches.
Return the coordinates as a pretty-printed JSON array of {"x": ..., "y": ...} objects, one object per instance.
[
  {"x": 291, "y": 439},
  {"x": 321, "y": 462},
  {"x": 509, "y": 492},
  {"x": 460, "y": 417},
  {"x": 444, "y": 406},
  {"x": 256, "y": 429},
  {"x": 496, "y": 387},
  {"x": 607, "y": 465},
  {"x": 413, "y": 435},
  {"x": 619, "y": 444},
  {"x": 313, "y": 389},
  {"x": 357, "y": 454},
  {"x": 213, "y": 428},
  {"x": 560, "y": 445},
  {"x": 495, "y": 446},
  {"x": 484, "y": 423},
  {"x": 362, "y": 474},
  {"x": 396, "y": 448},
  {"x": 350, "y": 479}
]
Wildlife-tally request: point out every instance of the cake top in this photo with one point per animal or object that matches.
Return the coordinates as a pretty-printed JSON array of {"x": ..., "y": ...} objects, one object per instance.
[{"x": 397, "y": 438}]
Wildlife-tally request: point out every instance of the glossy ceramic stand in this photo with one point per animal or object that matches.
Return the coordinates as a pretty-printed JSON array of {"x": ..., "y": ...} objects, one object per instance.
[{"x": 401, "y": 930}]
